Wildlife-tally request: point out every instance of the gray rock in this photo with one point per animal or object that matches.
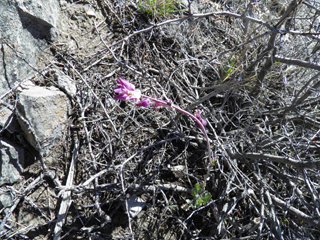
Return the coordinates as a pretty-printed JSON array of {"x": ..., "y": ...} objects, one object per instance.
[
  {"x": 5, "y": 113},
  {"x": 25, "y": 85},
  {"x": 65, "y": 82},
  {"x": 6, "y": 199},
  {"x": 12, "y": 161},
  {"x": 44, "y": 113},
  {"x": 43, "y": 11},
  {"x": 7, "y": 120},
  {"x": 25, "y": 28},
  {"x": 194, "y": 6},
  {"x": 135, "y": 205}
]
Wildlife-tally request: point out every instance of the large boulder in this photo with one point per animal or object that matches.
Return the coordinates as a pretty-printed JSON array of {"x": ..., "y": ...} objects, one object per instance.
[
  {"x": 43, "y": 115},
  {"x": 25, "y": 28}
]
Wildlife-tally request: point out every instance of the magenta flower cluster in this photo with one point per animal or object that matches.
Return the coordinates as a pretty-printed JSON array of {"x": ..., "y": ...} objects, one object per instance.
[{"x": 127, "y": 91}]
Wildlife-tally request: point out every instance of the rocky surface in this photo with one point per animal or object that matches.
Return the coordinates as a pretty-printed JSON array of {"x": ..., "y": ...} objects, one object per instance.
[
  {"x": 35, "y": 25},
  {"x": 12, "y": 162},
  {"x": 6, "y": 200},
  {"x": 65, "y": 83},
  {"x": 43, "y": 114},
  {"x": 38, "y": 116},
  {"x": 7, "y": 119}
]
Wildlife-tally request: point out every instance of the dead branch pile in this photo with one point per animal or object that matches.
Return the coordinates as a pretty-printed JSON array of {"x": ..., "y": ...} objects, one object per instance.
[{"x": 253, "y": 71}]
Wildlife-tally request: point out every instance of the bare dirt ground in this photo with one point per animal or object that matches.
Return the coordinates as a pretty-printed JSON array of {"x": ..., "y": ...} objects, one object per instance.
[{"x": 252, "y": 69}]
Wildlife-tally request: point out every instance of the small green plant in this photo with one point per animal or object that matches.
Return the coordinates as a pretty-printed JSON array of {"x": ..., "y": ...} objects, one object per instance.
[
  {"x": 286, "y": 222},
  {"x": 230, "y": 65},
  {"x": 173, "y": 207},
  {"x": 159, "y": 7},
  {"x": 200, "y": 196}
]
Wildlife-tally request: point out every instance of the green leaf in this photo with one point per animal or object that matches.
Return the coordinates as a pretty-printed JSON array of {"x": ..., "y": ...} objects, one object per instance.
[
  {"x": 207, "y": 198},
  {"x": 193, "y": 192},
  {"x": 197, "y": 187}
]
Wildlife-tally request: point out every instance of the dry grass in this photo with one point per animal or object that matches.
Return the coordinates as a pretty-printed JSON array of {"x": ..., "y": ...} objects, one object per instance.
[{"x": 262, "y": 114}]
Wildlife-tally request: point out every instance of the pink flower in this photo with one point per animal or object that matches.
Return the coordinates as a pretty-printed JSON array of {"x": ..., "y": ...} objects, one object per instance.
[
  {"x": 197, "y": 114},
  {"x": 144, "y": 103},
  {"x": 126, "y": 90}
]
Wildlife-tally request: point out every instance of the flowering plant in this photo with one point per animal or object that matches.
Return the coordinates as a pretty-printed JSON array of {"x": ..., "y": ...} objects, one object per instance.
[{"x": 127, "y": 91}]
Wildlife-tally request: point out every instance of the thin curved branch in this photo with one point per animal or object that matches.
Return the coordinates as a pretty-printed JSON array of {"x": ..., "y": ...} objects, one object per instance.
[
  {"x": 296, "y": 212},
  {"x": 278, "y": 159},
  {"x": 297, "y": 62}
]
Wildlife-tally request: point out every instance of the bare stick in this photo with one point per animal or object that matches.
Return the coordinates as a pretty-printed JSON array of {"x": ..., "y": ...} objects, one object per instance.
[
  {"x": 278, "y": 159},
  {"x": 275, "y": 221},
  {"x": 297, "y": 62},
  {"x": 297, "y": 101},
  {"x": 296, "y": 212},
  {"x": 66, "y": 196}
]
